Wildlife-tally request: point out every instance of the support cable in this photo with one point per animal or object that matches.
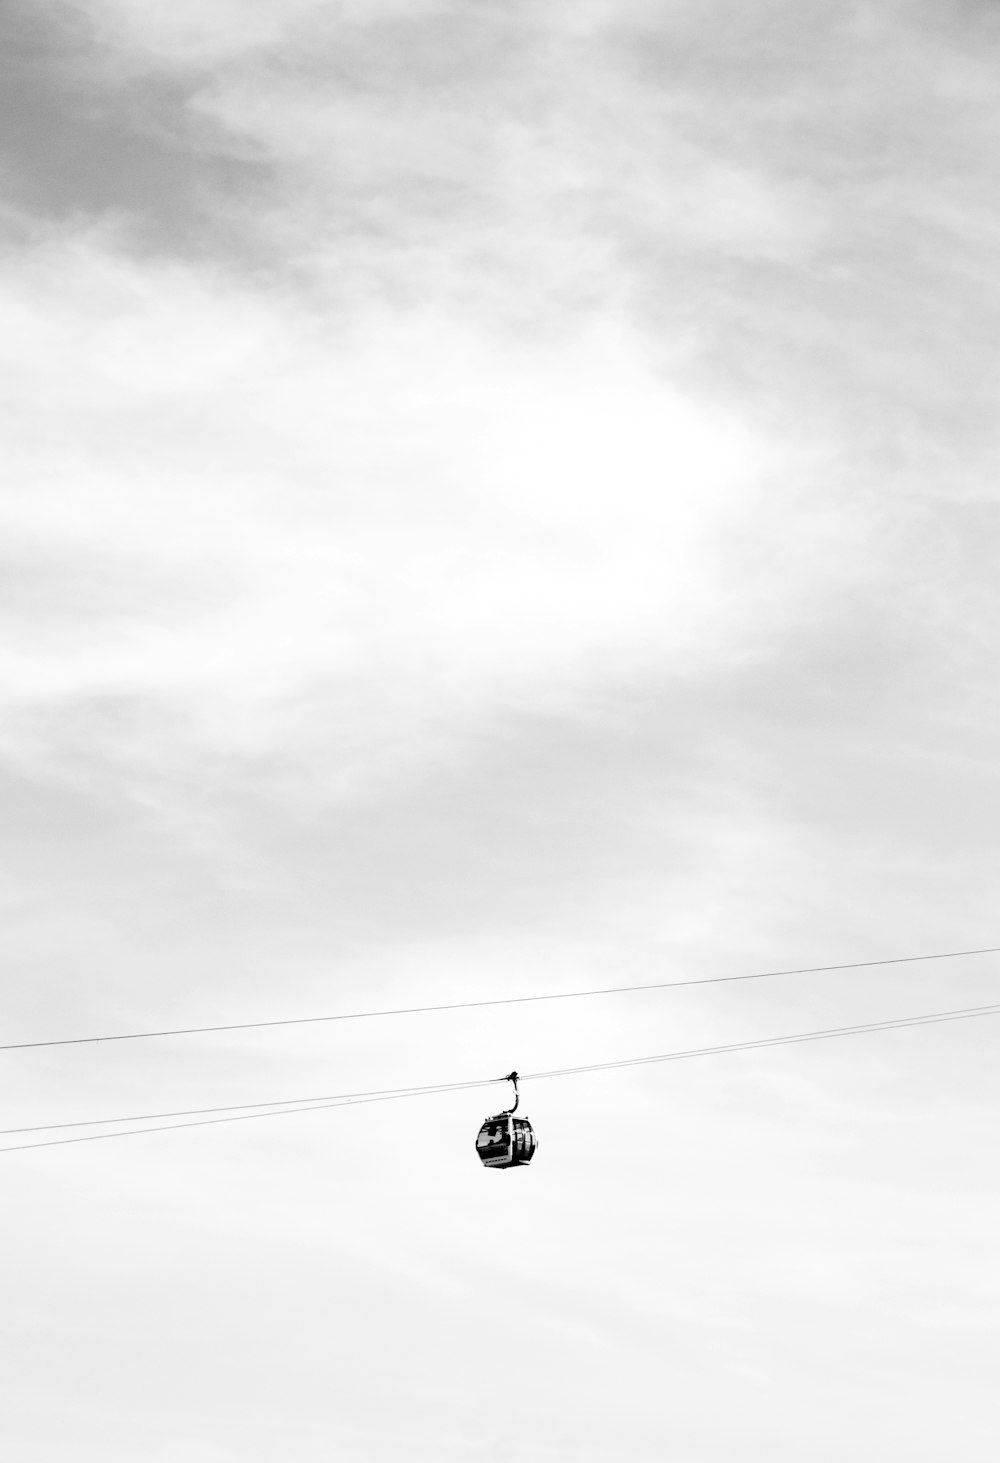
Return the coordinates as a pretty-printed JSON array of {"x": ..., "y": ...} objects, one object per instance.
[
  {"x": 276, "y": 1109},
  {"x": 617, "y": 990}
]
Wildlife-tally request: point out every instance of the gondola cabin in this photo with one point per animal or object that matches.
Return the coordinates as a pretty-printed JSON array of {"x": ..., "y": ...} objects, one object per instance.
[{"x": 505, "y": 1141}]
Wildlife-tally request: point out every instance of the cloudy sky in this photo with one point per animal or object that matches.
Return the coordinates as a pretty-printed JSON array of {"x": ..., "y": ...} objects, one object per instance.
[{"x": 497, "y": 499}]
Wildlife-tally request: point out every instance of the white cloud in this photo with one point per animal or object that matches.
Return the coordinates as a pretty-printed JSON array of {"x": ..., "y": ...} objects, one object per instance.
[
  {"x": 403, "y": 605},
  {"x": 189, "y": 33},
  {"x": 240, "y": 505}
]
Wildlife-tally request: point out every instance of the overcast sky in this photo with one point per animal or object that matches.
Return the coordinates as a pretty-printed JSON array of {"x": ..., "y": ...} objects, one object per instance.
[{"x": 496, "y": 499}]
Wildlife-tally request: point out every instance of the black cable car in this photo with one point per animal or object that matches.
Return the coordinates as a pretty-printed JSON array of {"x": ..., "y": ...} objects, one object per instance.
[{"x": 505, "y": 1141}]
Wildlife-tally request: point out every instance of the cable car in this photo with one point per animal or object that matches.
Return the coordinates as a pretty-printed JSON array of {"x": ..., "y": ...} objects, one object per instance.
[{"x": 505, "y": 1141}]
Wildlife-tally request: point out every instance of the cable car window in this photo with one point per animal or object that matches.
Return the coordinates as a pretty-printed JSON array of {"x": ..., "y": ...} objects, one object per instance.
[{"x": 493, "y": 1136}]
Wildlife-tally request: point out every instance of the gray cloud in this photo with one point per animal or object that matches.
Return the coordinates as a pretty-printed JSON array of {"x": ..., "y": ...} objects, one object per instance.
[
  {"x": 79, "y": 143},
  {"x": 499, "y": 499}
]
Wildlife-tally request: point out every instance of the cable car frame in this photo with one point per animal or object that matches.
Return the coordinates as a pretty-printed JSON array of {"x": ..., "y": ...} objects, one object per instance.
[{"x": 505, "y": 1141}]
